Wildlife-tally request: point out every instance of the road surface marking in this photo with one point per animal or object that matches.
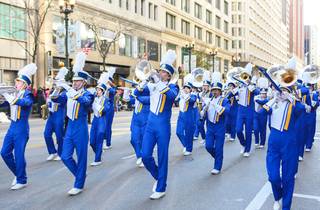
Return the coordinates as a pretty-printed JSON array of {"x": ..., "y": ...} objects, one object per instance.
[
  {"x": 307, "y": 196},
  {"x": 128, "y": 157},
  {"x": 260, "y": 198}
]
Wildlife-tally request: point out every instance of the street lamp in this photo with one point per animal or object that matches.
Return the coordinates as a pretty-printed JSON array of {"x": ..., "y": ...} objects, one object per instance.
[
  {"x": 236, "y": 60},
  {"x": 189, "y": 47},
  {"x": 66, "y": 8},
  {"x": 213, "y": 54}
]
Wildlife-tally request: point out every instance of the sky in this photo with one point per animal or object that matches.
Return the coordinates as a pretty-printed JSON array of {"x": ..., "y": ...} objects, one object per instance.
[{"x": 311, "y": 12}]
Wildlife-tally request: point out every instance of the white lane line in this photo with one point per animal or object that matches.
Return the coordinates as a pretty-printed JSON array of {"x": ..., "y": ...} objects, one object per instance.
[
  {"x": 307, "y": 196},
  {"x": 260, "y": 198},
  {"x": 128, "y": 157}
]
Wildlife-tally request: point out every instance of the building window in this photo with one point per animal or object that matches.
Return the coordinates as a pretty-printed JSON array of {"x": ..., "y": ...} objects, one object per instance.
[
  {"x": 197, "y": 32},
  {"x": 153, "y": 50},
  {"x": 127, "y": 50},
  {"x": 234, "y": 19},
  {"x": 155, "y": 12},
  {"x": 136, "y": 6},
  {"x": 218, "y": 22},
  {"x": 218, "y": 41},
  {"x": 209, "y": 37},
  {"x": 218, "y": 5},
  {"x": 12, "y": 22},
  {"x": 234, "y": 31},
  {"x": 185, "y": 27},
  {"x": 239, "y": 5},
  {"x": 120, "y": 3},
  {"x": 173, "y": 2},
  {"x": 226, "y": 27},
  {"x": 208, "y": 17},
  {"x": 185, "y": 5},
  {"x": 226, "y": 44},
  {"x": 234, "y": 6},
  {"x": 150, "y": 10},
  {"x": 240, "y": 32},
  {"x": 197, "y": 10},
  {"x": 226, "y": 65},
  {"x": 170, "y": 21},
  {"x": 234, "y": 44},
  {"x": 240, "y": 44},
  {"x": 127, "y": 4},
  {"x": 239, "y": 19},
  {"x": 141, "y": 46},
  {"x": 209, "y": 1},
  {"x": 226, "y": 9},
  {"x": 142, "y": 7}
]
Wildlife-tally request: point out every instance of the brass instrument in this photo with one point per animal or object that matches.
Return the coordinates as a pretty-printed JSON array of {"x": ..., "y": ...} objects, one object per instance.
[
  {"x": 283, "y": 76},
  {"x": 311, "y": 74},
  {"x": 197, "y": 74},
  {"x": 6, "y": 89},
  {"x": 143, "y": 71},
  {"x": 44, "y": 111},
  {"x": 231, "y": 75}
]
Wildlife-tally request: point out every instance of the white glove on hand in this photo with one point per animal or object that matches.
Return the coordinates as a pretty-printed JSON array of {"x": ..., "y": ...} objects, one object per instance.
[
  {"x": 142, "y": 84},
  {"x": 154, "y": 78},
  {"x": 308, "y": 108},
  {"x": 251, "y": 88},
  {"x": 288, "y": 96},
  {"x": 63, "y": 85},
  {"x": 202, "y": 114},
  {"x": 71, "y": 93},
  {"x": 10, "y": 98},
  {"x": 161, "y": 86},
  {"x": 313, "y": 103}
]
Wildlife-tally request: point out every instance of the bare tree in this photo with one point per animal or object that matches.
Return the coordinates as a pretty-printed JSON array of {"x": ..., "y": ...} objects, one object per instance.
[
  {"x": 104, "y": 44},
  {"x": 36, "y": 12}
]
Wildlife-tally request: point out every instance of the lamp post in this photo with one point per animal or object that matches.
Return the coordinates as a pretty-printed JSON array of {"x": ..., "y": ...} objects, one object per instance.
[
  {"x": 189, "y": 47},
  {"x": 236, "y": 60},
  {"x": 66, "y": 8},
  {"x": 213, "y": 54}
]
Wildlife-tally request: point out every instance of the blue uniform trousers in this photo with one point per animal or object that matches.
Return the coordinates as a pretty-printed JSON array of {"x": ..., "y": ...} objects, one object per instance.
[
  {"x": 13, "y": 149},
  {"x": 158, "y": 131},
  {"x": 185, "y": 130},
  {"x": 260, "y": 128},
  {"x": 97, "y": 134},
  {"x": 245, "y": 117},
  {"x": 282, "y": 148},
  {"x": 55, "y": 125},
  {"x": 76, "y": 138}
]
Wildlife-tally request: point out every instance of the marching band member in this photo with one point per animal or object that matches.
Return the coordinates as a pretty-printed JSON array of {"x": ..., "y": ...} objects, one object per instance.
[
  {"x": 260, "y": 119},
  {"x": 304, "y": 96},
  {"x": 111, "y": 92},
  {"x": 203, "y": 96},
  {"x": 246, "y": 94},
  {"x": 162, "y": 96},
  {"x": 140, "y": 117},
  {"x": 98, "y": 129},
  {"x": 314, "y": 95},
  {"x": 217, "y": 108},
  {"x": 186, "y": 119},
  {"x": 77, "y": 136},
  {"x": 282, "y": 146},
  {"x": 18, "y": 133},
  {"x": 57, "y": 114},
  {"x": 231, "y": 118}
]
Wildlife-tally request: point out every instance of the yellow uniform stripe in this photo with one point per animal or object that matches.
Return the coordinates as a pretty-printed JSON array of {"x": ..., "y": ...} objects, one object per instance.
[
  {"x": 187, "y": 105},
  {"x": 77, "y": 111},
  {"x": 286, "y": 125},
  {"x": 266, "y": 107},
  {"x": 19, "y": 112},
  {"x": 249, "y": 95},
  {"x": 140, "y": 107},
  {"x": 164, "y": 97},
  {"x": 218, "y": 115}
]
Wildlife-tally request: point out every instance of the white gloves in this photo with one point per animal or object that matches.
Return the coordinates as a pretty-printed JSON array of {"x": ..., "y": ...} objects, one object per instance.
[
  {"x": 251, "y": 88},
  {"x": 64, "y": 85},
  {"x": 155, "y": 78},
  {"x": 143, "y": 84},
  {"x": 10, "y": 98},
  {"x": 201, "y": 114},
  {"x": 308, "y": 108},
  {"x": 161, "y": 86},
  {"x": 71, "y": 93}
]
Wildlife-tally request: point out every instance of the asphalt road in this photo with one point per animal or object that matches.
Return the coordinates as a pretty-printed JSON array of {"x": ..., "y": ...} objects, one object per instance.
[{"x": 119, "y": 185}]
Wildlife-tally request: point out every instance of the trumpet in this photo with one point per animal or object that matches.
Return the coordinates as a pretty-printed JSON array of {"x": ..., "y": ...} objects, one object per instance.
[{"x": 198, "y": 74}]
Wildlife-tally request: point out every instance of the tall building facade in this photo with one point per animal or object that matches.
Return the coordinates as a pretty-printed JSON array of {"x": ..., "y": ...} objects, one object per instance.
[
  {"x": 311, "y": 50},
  {"x": 150, "y": 28},
  {"x": 261, "y": 31},
  {"x": 296, "y": 31}
]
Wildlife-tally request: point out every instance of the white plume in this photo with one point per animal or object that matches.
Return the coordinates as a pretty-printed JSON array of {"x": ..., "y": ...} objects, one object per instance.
[
  {"x": 263, "y": 82},
  {"x": 248, "y": 68},
  {"x": 104, "y": 77},
  {"x": 80, "y": 61},
  {"x": 111, "y": 71},
  {"x": 216, "y": 77},
  {"x": 62, "y": 73},
  {"x": 169, "y": 57},
  {"x": 188, "y": 79},
  {"x": 292, "y": 63},
  {"x": 206, "y": 76},
  {"x": 28, "y": 70}
]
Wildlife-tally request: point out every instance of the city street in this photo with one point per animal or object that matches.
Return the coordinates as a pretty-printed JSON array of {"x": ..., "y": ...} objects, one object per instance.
[{"x": 119, "y": 185}]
